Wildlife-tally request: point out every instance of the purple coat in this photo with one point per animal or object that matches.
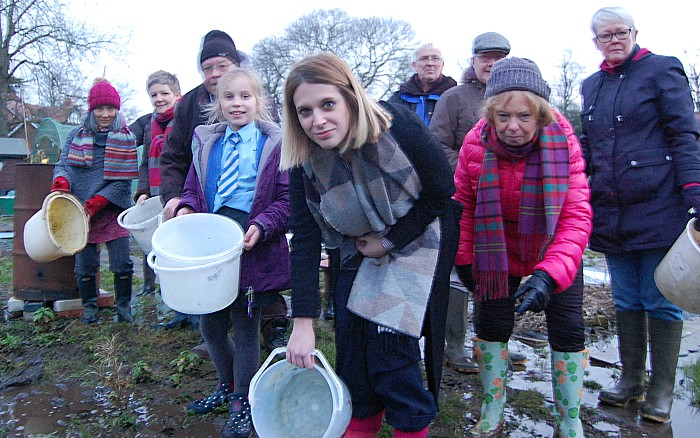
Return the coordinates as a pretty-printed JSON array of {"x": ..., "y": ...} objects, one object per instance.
[{"x": 266, "y": 266}]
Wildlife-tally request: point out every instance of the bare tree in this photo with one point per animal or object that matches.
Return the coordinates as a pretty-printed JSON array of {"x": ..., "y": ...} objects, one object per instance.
[
  {"x": 43, "y": 47},
  {"x": 378, "y": 50},
  {"x": 693, "y": 73},
  {"x": 565, "y": 89}
]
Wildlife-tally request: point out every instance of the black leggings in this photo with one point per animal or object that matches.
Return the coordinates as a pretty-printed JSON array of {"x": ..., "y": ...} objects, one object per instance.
[{"x": 494, "y": 319}]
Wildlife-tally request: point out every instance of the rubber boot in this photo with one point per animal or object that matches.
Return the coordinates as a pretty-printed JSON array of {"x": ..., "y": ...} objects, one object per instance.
[
  {"x": 122, "y": 290},
  {"x": 493, "y": 362},
  {"x": 364, "y": 427},
  {"x": 149, "y": 280},
  {"x": 87, "y": 287},
  {"x": 239, "y": 423},
  {"x": 217, "y": 398},
  {"x": 456, "y": 355},
  {"x": 632, "y": 345},
  {"x": 665, "y": 343},
  {"x": 567, "y": 387}
]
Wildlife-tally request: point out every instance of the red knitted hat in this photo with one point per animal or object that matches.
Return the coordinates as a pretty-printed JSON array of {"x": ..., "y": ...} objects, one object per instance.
[{"x": 103, "y": 93}]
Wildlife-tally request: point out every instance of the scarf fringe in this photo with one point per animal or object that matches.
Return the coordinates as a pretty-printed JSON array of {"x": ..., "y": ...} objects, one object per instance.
[{"x": 491, "y": 285}]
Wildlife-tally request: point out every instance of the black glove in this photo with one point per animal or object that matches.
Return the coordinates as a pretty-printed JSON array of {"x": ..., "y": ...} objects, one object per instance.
[
  {"x": 539, "y": 288},
  {"x": 691, "y": 199},
  {"x": 464, "y": 272}
]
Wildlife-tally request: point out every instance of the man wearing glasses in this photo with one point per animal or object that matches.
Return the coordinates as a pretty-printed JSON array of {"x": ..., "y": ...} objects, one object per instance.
[{"x": 422, "y": 91}]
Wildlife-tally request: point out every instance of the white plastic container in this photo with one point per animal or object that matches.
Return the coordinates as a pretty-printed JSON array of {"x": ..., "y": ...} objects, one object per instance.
[
  {"x": 290, "y": 402},
  {"x": 141, "y": 220},
  {"x": 678, "y": 274},
  {"x": 59, "y": 229},
  {"x": 197, "y": 260}
]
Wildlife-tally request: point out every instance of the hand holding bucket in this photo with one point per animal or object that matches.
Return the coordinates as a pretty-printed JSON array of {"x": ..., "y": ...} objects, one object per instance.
[{"x": 287, "y": 401}]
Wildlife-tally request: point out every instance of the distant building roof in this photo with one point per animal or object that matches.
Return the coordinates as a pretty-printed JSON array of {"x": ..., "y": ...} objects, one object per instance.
[{"x": 14, "y": 147}]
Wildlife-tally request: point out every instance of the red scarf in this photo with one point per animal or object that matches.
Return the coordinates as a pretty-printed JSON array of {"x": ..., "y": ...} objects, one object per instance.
[{"x": 158, "y": 135}]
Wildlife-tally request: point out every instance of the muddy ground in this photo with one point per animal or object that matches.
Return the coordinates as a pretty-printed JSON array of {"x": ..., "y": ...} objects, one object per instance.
[{"x": 63, "y": 379}]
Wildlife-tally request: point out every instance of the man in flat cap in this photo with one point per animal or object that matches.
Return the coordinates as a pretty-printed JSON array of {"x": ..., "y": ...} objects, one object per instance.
[{"x": 455, "y": 113}]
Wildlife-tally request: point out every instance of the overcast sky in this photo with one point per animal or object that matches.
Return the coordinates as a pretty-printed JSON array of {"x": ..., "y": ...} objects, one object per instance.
[{"x": 167, "y": 35}]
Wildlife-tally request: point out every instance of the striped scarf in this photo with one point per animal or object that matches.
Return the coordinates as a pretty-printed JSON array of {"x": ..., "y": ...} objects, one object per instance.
[
  {"x": 544, "y": 187},
  {"x": 158, "y": 135},
  {"x": 121, "y": 157}
]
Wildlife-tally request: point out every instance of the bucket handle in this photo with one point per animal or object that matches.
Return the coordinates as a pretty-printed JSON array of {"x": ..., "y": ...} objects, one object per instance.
[
  {"x": 283, "y": 350},
  {"x": 120, "y": 221},
  {"x": 151, "y": 260}
]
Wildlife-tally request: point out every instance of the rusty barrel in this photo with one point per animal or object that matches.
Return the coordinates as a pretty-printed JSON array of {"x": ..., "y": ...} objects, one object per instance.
[{"x": 37, "y": 281}]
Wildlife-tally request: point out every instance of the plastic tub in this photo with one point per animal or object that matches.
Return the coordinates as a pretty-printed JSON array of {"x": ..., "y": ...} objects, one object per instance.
[
  {"x": 59, "y": 229},
  {"x": 197, "y": 260},
  {"x": 678, "y": 274},
  {"x": 141, "y": 220},
  {"x": 290, "y": 402}
]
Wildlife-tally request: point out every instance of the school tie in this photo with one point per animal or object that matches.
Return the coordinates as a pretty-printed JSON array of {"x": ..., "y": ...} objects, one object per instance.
[{"x": 228, "y": 182}]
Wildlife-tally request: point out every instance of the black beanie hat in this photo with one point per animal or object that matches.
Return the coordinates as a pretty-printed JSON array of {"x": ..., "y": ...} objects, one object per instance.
[
  {"x": 218, "y": 43},
  {"x": 516, "y": 74}
]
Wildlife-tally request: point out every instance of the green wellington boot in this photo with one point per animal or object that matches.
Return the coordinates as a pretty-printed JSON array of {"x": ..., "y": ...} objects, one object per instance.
[
  {"x": 567, "y": 387},
  {"x": 493, "y": 364}
]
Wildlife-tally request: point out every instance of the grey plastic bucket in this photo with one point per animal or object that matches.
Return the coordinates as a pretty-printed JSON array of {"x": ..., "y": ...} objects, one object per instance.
[
  {"x": 678, "y": 274},
  {"x": 290, "y": 402}
]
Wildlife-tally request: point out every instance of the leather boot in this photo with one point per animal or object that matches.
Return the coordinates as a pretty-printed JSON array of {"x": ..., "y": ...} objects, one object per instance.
[
  {"x": 240, "y": 423},
  {"x": 456, "y": 355},
  {"x": 632, "y": 345},
  {"x": 567, "y": 387},
  {"x": 493, "y": 364},
  {"x": 87, "y": 287},
  {"x": 665, "y": 343},
  {"x": 122, "y": 290}
]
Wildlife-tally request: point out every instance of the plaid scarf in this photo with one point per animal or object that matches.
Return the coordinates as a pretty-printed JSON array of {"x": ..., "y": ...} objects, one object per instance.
[
  {"x": 158, "y": 135},
  {"x": 544, "y": 187},
  {"x": 366, "y": 191},
  {"x": 121, "y": 156}
]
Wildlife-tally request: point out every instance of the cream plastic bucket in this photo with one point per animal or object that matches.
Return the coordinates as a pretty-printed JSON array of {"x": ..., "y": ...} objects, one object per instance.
[
  {"x": 141, "y": 220},
  {"x": 197, "y": 260},
  {"x": 678, "y": 274},
  {"x": 290, "y": 402},
  {"x": 59, "y": 229}
]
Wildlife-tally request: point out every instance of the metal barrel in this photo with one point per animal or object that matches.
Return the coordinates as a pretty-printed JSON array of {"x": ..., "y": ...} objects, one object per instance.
[{"x": 34, "y": 281}]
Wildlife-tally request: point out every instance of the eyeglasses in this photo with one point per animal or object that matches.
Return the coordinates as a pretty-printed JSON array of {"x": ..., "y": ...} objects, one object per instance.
[
  {"x": 485, "y": 57},
  {"x": 429, "y": 58},
  {"x": 221, "y": 68},
  {"x": 621, "y": 35}
]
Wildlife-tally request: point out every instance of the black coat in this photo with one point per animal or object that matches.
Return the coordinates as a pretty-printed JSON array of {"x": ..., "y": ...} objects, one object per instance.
[{"x": 639, "y": 139}]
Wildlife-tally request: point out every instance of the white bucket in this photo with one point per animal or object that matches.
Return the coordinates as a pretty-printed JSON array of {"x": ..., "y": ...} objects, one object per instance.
[
  {"x": 141, "y": 220},
  {"x": 59, "y": 229},
  {"x": 290, "y": 402},
  {"x": 678, "y": 274},
  {"x": 197, "y": 238},
  {"x": 198, "y": 274}
]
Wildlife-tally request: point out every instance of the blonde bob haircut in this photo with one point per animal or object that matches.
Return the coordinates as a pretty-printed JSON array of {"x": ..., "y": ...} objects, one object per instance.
[
  {"x": 537, "y": 104},
  {"x": 216, "y": 112},
  {"x": 368, "y": 120}
]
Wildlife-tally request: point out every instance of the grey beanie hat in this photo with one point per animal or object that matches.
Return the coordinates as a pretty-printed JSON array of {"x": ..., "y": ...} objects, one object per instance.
[
  {"x": 490, "y": 42},
  {"x": 516, "y": 74}
]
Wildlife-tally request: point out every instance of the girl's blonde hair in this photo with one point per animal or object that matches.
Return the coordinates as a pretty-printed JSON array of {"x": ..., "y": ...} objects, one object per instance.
[
  {"x": 368, "y": 120},
  {"x": 537, "y": 104},
  {"x": 262, "y": 112}
]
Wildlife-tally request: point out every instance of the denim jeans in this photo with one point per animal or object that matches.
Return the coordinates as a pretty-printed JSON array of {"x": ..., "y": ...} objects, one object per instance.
[{"x": 633, "y": 285}]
